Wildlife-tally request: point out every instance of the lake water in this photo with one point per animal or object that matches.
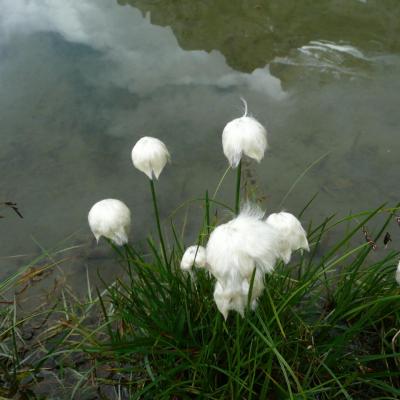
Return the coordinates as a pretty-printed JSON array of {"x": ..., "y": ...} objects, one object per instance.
[{"x": 82, "y": 80}]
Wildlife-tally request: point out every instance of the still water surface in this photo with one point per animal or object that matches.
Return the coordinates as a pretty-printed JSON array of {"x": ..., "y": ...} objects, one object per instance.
[{"x": 82, "y": 80}]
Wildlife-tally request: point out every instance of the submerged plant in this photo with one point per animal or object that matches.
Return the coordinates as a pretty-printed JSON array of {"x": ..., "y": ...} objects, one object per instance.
[{"x": 110, "y": 218}]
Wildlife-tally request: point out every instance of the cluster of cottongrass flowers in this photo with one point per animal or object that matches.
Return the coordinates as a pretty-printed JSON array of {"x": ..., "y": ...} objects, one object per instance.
[
  {"x": 240, "y": 252},
  {"x": 226, "y": 318}
]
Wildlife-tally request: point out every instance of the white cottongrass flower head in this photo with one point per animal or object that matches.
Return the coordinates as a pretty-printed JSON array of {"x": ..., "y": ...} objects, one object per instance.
[
  {"x": 150, "y": 155},
  {"x": 110, "y": 218},
  {"x": 234, "y": 251},
  {"x": 244, "y": 135},
  {"x": 194, "y": 256},
  {"x": 229, "y": 297},
  {"x": 398, "y": 273},
  {"x": 238, "y": 245},
  {"x": 292, "y": 235}
]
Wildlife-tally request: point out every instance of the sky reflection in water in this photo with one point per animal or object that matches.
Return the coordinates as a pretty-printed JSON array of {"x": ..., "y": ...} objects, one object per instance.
[{"x": 81, "y": 81}]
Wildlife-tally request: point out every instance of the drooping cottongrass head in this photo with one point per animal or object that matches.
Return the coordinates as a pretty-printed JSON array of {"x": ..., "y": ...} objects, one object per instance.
[
  {"x": 398, "y": 273},
  {"x": 110, "y": 218},
  {"x": 292, "y": 235},
  {"x": 244, "y": 135},
  {"x": 240, "y": 244},
  {"x": 223, "y": 299},
  {"x": 194, "y": 256},
  {"x": 235, "y": 295},
  {"x": 150, "y": 155},
  {"x": 256, "y": 290},
  {"x": 233, "y": 251}
]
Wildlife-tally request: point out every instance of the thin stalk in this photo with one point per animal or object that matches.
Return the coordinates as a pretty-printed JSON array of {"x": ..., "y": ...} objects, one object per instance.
[
  {"x": 153, "y": 193},
  {"x": 300, "y": 177},
  {"x": 238, "y": 178},
  {"x": 220, "y": 182},
  {"x": 207, "y": 214}
]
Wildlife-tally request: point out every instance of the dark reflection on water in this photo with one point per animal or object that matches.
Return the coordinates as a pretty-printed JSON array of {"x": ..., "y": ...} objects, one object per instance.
[
  {"x": 251, "y": 33},
  {"x": 81, "y": 81}
]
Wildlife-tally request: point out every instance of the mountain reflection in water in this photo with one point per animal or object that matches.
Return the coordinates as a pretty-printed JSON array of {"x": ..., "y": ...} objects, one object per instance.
[{"x": 82, "y": 81}]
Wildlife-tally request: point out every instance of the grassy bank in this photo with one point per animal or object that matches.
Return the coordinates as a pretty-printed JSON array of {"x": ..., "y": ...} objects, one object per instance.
[{"x": 326, "y": 327}]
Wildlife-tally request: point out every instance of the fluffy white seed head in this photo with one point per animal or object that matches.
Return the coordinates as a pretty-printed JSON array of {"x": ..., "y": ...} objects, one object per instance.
[
  {"x": 398, "y": 273},
  {"x": 222, "y": 299},
  {"x": 291, "y": 236},
  {"x": 110, "y": 218},
  {"x": 235, "y": 297},
  {"x": 228, "y": 297},
  {"x": 236, "y": 247},
  {"x": 150, "y": 155},
  {"x": 194, "y": 256},
  {"x": 234, "y": 250},
  {"x": 244, "y": 135},
  {"x": 257, "y": 289}
]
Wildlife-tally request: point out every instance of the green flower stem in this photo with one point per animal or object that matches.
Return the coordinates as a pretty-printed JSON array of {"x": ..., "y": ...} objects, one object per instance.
[
  {"x": 153, "y": 192},
  {"x": 238, "y": 178}
]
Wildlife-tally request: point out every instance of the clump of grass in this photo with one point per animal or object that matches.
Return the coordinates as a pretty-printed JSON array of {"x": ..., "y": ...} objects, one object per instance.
[
  {"x": 39, "y": 347},
  {"x": 326, "y": 326},
  {"x": 16, "y": 370}
]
